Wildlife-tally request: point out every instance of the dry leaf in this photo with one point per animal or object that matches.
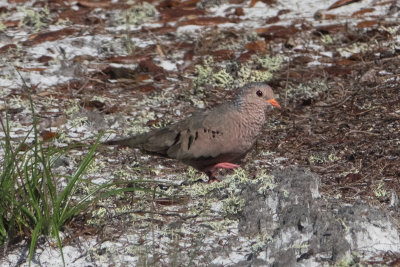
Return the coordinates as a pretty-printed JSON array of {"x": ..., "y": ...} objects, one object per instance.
[
  {"x": 48, "y": 36},
  {"x": 94, "y": 4},
  {"x": 257, "y": 46},
  {"x": 362, "y": 12},
  {"x": 46, "y": 135},
  {"x": 366, "y": 24},
  {"x": 224, "y": 54},
  {"x": 239, "y": 11},
  {"x": 342, "y": 3}
]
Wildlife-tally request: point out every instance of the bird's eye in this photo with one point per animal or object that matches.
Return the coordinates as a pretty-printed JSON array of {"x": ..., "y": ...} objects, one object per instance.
[{"x": 259, "y": 93}]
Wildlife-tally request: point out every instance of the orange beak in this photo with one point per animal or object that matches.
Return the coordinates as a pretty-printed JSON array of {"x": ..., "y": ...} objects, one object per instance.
[{"x": 274, "y": 103}]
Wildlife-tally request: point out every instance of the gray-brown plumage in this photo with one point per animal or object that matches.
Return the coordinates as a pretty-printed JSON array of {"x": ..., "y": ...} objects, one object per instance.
[{"x": 211, "y": 139}]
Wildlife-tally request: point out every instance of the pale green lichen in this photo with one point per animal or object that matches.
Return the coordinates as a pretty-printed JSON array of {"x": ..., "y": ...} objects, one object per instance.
[
  {"x": 77, "y": 122},
  {"x": 322, "y": 158},
  {"x": 2, "y": 27},
  {"x": 205, "y": 73},
  {"x": 223, "y": 225},
  {"x": 285, "y": 192},
  {"x": 271, "y": 63},
  {"x": 240, "y": 176},
  {"x": 63, "y": 22},
  {"x": 327, "y": 39},
  {"x": 251, "y": 36},
  {"x": 102, "y": 254},
  {"x": 121, "y": 174},
  {"x": 97, "y": 216},
  {"x": 266, "y": 182},
  {"x": 232, "y": 204},
  {"x": 223, "y": 78},
  {"x": 17, "y": 102},
  {"x": 350, "y": 260},
  {"x": 144, "y": 114},
  {"x": 391, "y": 30},
  {"x": 197, "y": 102},
  {"x": 193, "y": 176},
  {"x": 72, "y": 107},
  {"x": 246, "y": 75},
  {"x": 95, "y": 166},
  {"x": 163, "y": 98},
  {"x": 139, "y": 13},
  {"x": 123, "y": 209},
  {"x": 162, "y": 124},
  {"x": 354, "y": 48},
  {"x": 306, "y": 91},
  {"x": 138, "y": 125},
  {"x": 260, "y": 241},
  {"x": 63, "y": 137},
  {"x": 35, "y": 19},
  {"x": 48, "y": 101},
  {"x": 208, "y": 73},
  {"x": 99, "y": 99},
  {"x": 380, "y": 191},
  {"x": 200, "y": 189}
]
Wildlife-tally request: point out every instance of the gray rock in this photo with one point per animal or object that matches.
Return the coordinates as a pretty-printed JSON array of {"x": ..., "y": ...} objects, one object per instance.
[{"x": 304, "y": 229}]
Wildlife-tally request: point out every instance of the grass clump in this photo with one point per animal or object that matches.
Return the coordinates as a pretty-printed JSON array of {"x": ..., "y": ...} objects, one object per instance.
[{"x": 34, "y": 199}]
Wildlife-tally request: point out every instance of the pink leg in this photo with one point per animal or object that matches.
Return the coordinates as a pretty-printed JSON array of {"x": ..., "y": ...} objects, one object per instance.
[{"x": 225, "y": 165}]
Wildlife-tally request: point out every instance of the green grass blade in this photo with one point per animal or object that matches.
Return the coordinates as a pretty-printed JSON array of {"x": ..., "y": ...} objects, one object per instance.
[{"x": 65, "y": 199}]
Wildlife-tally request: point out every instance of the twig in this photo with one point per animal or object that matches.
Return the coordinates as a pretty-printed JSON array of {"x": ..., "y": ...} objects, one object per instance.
[{"x": 363, "y": 132}]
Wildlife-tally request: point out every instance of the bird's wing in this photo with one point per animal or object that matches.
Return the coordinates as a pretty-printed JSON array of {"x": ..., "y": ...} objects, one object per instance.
[{"x": 204, "y": 135}]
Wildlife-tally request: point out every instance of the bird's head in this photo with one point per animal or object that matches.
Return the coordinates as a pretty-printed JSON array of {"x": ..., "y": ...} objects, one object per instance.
[{"x": 257, "y": 94}]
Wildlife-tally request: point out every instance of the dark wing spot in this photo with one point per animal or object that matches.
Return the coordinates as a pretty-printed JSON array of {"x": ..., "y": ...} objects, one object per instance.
[
  {"x": 177, "y": 137},
  {"x": 196, "y": 136},
  {"x": 190, "y": 141},
  {"x": 205, "y": 130}
]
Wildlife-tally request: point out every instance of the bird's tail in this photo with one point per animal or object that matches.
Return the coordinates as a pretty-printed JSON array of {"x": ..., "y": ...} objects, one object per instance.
[
  {"x": 155, "y": 142},
  {"x": 134, "y": 141}
]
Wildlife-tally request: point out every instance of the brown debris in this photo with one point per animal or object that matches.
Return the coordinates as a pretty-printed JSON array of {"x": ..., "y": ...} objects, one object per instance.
[
  {"x": 342, "y": 3},
  {"x": 257, "y": 46},
  {"x": 239, "y": 11},
  {"x": 362, "y": 12},
  {"x": 148, "y": 66},
  {"x": 174, "y": 14},
  {"x": 223, "y": 54},
  {"x": 366, "y": 24},
  {"x": 7, "y": 48},
  {"x": 277, "y": 31},
  {"x": 48, "y": 36}
]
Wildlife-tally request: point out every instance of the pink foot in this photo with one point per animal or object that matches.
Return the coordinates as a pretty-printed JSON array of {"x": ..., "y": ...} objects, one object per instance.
[
  {"x": 213, "y": 170},
  {"x": 225, "y": 165}
]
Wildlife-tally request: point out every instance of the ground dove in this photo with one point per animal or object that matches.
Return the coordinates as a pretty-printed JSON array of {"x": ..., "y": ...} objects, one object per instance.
[{"x": 212, "y": 139}]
